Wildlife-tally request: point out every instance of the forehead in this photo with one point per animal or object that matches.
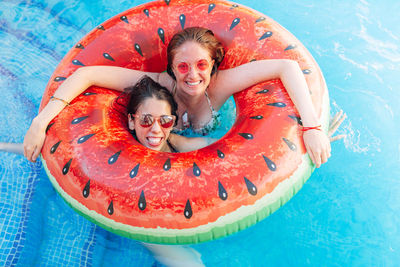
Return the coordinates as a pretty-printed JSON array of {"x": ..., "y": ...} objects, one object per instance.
[
  {"x": 154, "y": 107},
  {"x": 191, "y": 52}
]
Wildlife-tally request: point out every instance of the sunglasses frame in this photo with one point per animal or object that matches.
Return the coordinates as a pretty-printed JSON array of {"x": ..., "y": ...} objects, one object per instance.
[
  {"x": 195, "y": 66},
  {"x": 155, "y": 118}
]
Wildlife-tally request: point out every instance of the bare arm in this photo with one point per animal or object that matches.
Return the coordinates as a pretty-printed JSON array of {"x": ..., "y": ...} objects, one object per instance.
[
  {"x": 234, "y": 80},
  {"x": 105, "y": 76},
  {"x": 230, "y": 81},
  {"x": 185, "y": 144}
]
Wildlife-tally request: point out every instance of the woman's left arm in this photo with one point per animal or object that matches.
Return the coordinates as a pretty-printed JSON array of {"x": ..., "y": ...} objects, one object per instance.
[{"x": 234, "y": 80}]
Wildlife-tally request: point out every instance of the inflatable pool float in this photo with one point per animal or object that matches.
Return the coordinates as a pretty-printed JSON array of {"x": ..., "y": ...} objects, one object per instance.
[{"x": 178, "y": 198}]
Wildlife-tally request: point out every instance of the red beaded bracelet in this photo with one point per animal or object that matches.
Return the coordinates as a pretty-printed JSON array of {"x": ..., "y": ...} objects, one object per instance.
[{"x": 305, "y": 129}]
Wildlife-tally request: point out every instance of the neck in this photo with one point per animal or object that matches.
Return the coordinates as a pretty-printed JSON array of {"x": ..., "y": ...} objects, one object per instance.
[{"x": 189, "y": 102}]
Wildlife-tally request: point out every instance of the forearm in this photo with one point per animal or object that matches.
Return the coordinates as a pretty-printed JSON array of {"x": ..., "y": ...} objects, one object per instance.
[
  {"x": 297, "y": 88},
  {"x": 68, "y": 90}
]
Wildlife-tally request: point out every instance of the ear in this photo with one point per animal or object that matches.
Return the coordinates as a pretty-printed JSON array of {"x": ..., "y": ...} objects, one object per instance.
[{"x": 131, "y": 123}]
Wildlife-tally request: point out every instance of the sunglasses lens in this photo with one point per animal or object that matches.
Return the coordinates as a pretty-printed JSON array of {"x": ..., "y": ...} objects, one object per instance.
[
  {"x": 146, "y": 120},
  {"x": 202, "y": 64},
  {"x": 183, "y": 67},
  {"x": 166, "y": 121}
]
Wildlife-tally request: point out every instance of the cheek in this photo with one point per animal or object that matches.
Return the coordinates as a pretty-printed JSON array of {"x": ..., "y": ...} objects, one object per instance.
[
  {"x": 140, "y": 134},
  {"x": 166, "y": 133}
]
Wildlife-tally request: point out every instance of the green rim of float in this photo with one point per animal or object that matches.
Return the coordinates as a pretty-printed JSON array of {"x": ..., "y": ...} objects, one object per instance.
[{"x": 234, "y": 216}]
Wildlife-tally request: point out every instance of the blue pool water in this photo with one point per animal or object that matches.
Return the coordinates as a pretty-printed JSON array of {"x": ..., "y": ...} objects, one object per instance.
[{"x": 347, "y": 214}]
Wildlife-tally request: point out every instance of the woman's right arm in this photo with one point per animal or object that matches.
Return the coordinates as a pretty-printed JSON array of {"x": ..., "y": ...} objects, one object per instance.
[{"x": 116, "y": 78}]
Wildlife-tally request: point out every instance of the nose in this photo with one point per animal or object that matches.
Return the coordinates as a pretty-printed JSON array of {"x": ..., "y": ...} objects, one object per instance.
[
  {"x": 192, "y": 71},
  {"x": 156, "y": 127}
]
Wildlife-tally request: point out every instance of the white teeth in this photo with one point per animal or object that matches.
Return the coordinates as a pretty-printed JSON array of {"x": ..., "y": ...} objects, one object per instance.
[
  {"x": 154, "y": 140},
  {"x": 194, "y": 83}
]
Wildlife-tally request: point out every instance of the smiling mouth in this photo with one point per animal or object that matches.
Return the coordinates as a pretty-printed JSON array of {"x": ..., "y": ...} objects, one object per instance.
[
  {"x": 193, "y": 83},
  {"x": 154, "y": 141}
]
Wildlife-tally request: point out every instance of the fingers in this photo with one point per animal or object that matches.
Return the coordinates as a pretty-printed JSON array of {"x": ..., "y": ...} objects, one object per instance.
[
  {"x": 35, "y": 154},
  {"x": 336, "y": 137},
  {"x": 336, "y": 122},
  {"x": 319, "y": 157},
  {"x": 31, "y": 153},
  {"x": 335, "y": 118},
  {"x": 315, "y": 157}
]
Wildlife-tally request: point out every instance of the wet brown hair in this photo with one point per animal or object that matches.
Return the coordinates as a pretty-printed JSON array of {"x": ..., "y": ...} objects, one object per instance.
[
  {"x": 147, "y": 88},
  {"x": 129, "y": 101},
  {"x": 202, "y": 36}
]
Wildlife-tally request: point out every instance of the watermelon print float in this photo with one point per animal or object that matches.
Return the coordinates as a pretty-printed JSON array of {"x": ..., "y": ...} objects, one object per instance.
[{"x": 179, "y": 198}]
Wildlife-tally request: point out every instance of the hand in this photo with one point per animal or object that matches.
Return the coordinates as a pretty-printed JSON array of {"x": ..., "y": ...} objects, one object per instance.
[
  {"x": 318, "y": 146},
  {"x": 334, "y": 124},
  {"x": 33, "y": 141}
]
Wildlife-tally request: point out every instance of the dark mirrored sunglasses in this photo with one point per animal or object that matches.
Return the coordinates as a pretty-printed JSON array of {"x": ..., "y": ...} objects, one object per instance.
[{"x": 147, "y": 120}]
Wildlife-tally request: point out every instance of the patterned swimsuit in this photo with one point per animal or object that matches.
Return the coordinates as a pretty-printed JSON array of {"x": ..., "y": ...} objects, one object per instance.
[{"x": 206, "y": 129}]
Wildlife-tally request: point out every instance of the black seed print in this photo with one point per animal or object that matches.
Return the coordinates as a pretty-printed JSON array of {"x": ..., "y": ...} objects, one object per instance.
[
  {"x": 260, "y": 19},
  {"x": 86, "y": 190},
  {"x": 160, "y": 32},
  {"x": 107, "y": 56},
  {"x": 263, "y": 91},
  {"x": 89, "y": 93},
  {"x": 66, "y": 167},
  {"x": 234, "y": 6},
  {"x": 110, "y": 208},
  {"x": 146, "y": 11},
  {"x": 142, "y": 201},
  {"x": 220, "y": 154},
  {"x": 138, "y": 49},
  {"x": 114, "y": 158},
  {"x": 49, "y": 126},
  {"x": 271, "y": 165},
  {"x": 124, "y": 18},
  {"x": 210, "y": 7},
  {"x": 265, "y": 35},
  {"x": 250, "y": 187},
  {"x": 182, "y": 19},
  {"x": 59, "y": 79},
  {"x": 167, "y": 2},
  {"x": 196, "y": 169},
  {"x": 277, "y": 104},
  {"x": 307, "y": 71},
  {"x": 234, "y": 23},
  {"x": 292, "y": 46},
  {"x": 296, "y": 118},
  {"x": 258, "y": 117},
  {"x": 79, "y": 46},
  {"x": 247, "y": 136},
  {"x": 222, "y": 192},
  {"x": 84, "y": 138},
  {"x": 54, "y": 147},
  {"x": 134, "y": 171},
  {"x": 167, "y": 165},
  {"x": 188, "y": 210},
  {"x": 100, "y": 27},
  {"x": 290, "y": 144},
  {"x": 77, "y": 62},
  {"x": 78, "y": 120}
]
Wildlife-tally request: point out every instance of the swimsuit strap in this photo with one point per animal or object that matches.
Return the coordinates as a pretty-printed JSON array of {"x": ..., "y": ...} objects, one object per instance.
[{"x": 209, "y": 103}]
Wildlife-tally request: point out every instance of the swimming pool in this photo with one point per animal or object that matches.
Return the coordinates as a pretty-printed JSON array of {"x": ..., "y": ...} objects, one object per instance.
[{"x": 348, "y": 213}]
